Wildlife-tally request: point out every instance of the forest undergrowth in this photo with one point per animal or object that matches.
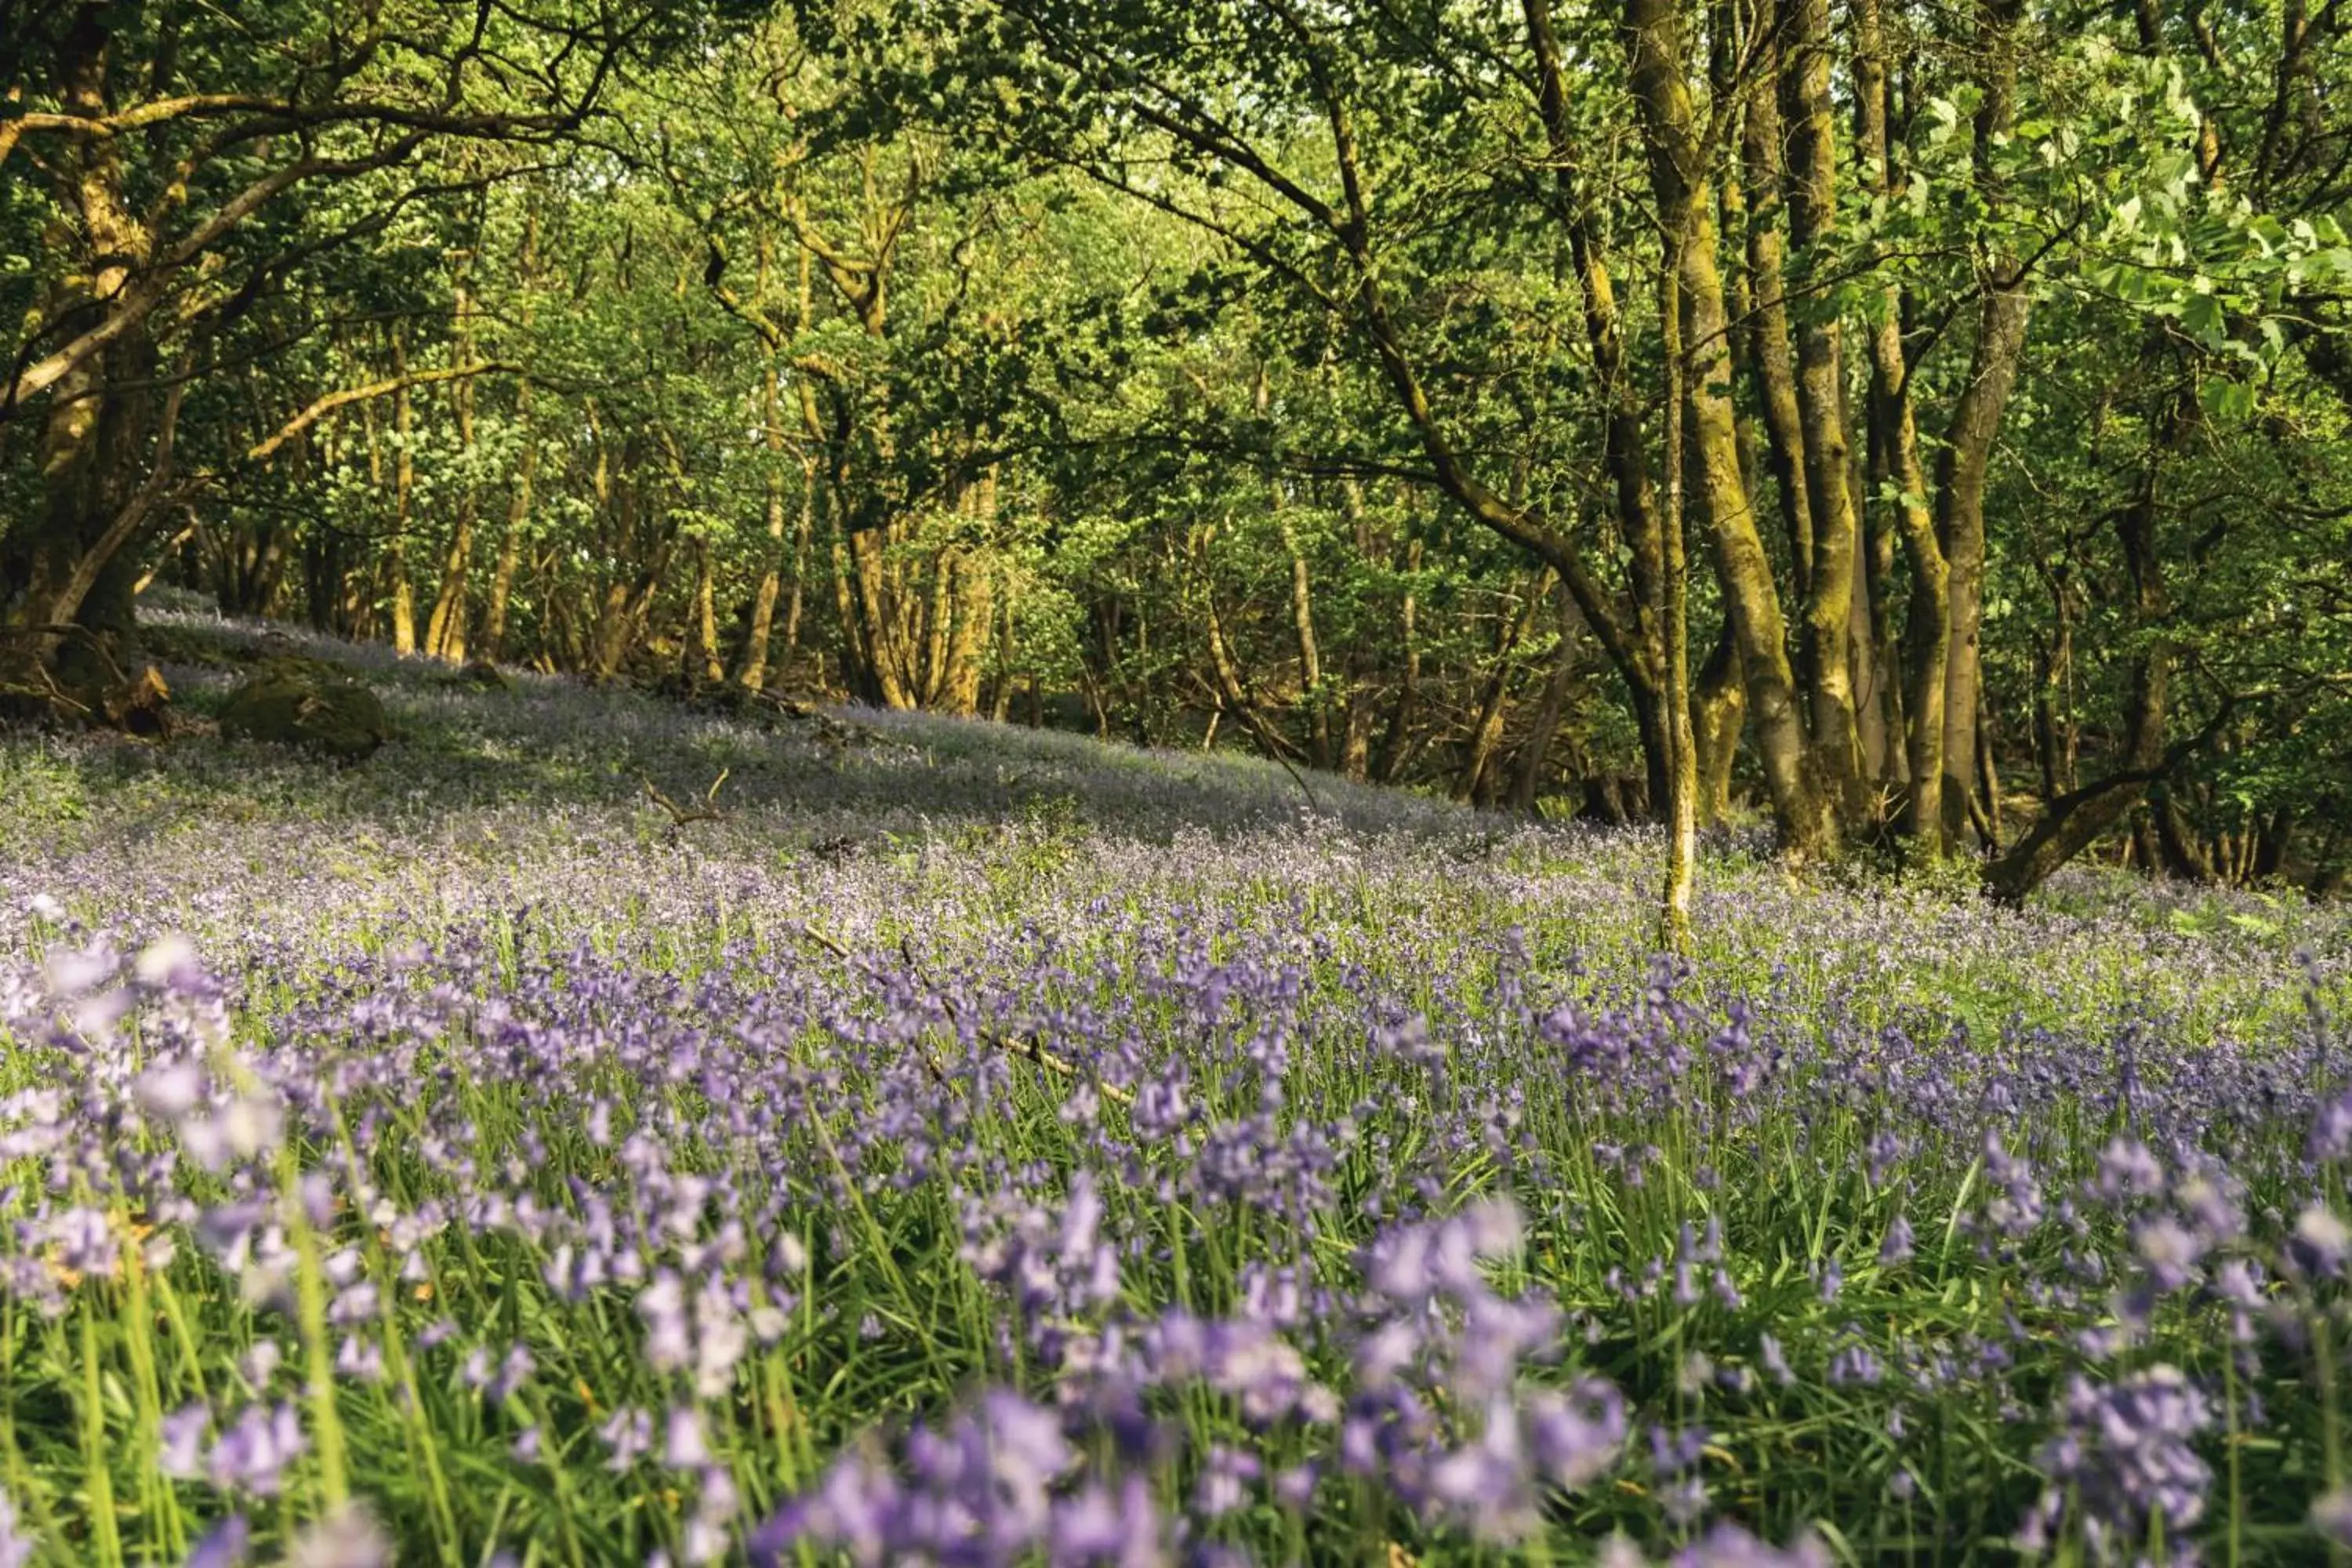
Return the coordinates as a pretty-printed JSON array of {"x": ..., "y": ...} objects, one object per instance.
[{"x": 951, "y": 1142}]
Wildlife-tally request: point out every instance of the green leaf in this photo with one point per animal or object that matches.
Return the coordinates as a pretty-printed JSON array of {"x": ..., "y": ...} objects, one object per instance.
[
  {"x": 2226, "y": 402},
  {"x": 2202, "y": 317}
]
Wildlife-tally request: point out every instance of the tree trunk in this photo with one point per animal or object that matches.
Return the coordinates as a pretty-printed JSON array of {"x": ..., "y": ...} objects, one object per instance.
[
  {"x": 1486, "y": 730},
  {"x": 1310, "y": 657},
  {"x": 1720, "y": 712},
  {"x": 751, "y": 659},
  {"x": 1894, "y": 445},
  {"x": 101, "y": 481},
  {"x": 881, "y": 634},
  {"x": 1766, "y": 334},
  {"x": 1396, "y": 741},
  {"x": 444, "y": 628},
  {"x": 1682, "y": 799},
  {"x": 1535, "y": 752},
  {"x": 1976, "y": 421},
  {"x": 704, "y": 648},
  {"x": 999, "y": 708},
  {"x": 795, "y": 597},
  {"x": 1677, "y": 177},
  {"x": 1825, "y": 656},
  {"x": 972, "y": 597},
  {"x": 494, "y": 625},
  {"x": 2053, "y": 702},
  {"x": 404, "y": 487}
]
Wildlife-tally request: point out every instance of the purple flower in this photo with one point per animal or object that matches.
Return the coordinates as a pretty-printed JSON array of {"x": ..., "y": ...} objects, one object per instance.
[
  {"x": 347, "y": 1539},
  {"x": 181, "y": 1440},
  {"x": 1896, "y": 1249},
  {"x": 84, "y": 1242},
  {"x": 1095, "y": 1529},
  {"x": 252, "y": 1453},
  {"x": 1577, "y": 1436},
  {"x": 17, "y": 1547},
  {"x": 2128, "y": 1168},
  {"x": 2169, "y": 1249},
  {"x": 1727, "y": 1545},
  {"x": 682, "y": 1446},
  {"x": 2331, "y": 1516},
  {"x": 222, "y": 1546},
  {"x": 172, "y": 1089},
  {"x": 2321, "y": 1240},
  {"x": 2331, "y": 1131},
  {"x": 981, "y": 1489},
  {"x": 628, "y": 1436},
  {"x": 2126, "y": 1456},
  {"x": 1226, "y": 1477}
]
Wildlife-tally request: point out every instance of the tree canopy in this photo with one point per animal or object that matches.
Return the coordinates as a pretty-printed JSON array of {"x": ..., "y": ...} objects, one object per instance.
[{"x": 1921, "y": 426}]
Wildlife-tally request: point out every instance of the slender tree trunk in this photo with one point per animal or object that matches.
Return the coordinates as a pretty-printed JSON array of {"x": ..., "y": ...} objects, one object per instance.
[
  {"x": 404, "y": 487},
  {"x": 445, "y": 628},
  {"x": 1356, "y": 734},
  {"x": 1310, "y": 657},
  {"x": 1926, "y": 648},
  {"x": 1493, "y": 701},
  {"x": 882, "y": 634},
  {"x": 494, "y": 625},
  {"x": 1767, "y": 333},
  {"x": 801, "y": 531},
  {"x": 1233, "y": 688},
  {"x": 1987, "y": 806},
  {"x": 1862, "y": 651},
  {"x": 706, "y": 619},
  {"x": 1396, "y": 741},
  {"x": 1962, "y": 470},
  {"x": 1633, "y": 641},
  {"x": 1535, "y": 752},
  {"x": 973, "y": 601},
  {"x": 999, "y": 708},
  {"x": 752, "y": 660},
  {"x": 2053, "y": 724},
  {"x": 857, "y": 660},
  {"x": 1826, "y": 659},
  {"x": 1719, "y": 711},
  {"x": 1682, "y": 800},
  {"x": 1677, "y": 175}
]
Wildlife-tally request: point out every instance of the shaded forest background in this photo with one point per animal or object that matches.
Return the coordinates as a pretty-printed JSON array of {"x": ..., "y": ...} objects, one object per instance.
[{"x": 1917, "y": 423}]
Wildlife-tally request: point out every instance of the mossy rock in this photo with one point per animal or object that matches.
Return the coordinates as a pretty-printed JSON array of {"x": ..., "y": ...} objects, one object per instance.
[{"x": 292, "y": 706}]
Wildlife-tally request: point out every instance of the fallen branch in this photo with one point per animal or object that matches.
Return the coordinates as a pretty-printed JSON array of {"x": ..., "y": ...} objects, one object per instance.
[
  {"x": 1297, "y": 778},
  {"x": 680, "y": 815}
]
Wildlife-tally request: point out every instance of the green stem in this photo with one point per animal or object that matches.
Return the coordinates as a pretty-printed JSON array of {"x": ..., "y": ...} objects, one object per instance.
[{"x": 99, "y": 1480}]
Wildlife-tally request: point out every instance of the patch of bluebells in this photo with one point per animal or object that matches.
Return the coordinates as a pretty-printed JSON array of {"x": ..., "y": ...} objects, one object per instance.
[{"x": 1361, "y": 1185}]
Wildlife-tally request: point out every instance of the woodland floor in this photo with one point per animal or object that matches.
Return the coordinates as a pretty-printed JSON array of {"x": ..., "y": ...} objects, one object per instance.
[{"x": 950, "y": 1141}]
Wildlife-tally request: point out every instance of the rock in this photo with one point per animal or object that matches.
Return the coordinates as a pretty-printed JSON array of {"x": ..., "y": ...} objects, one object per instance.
[{"x": 294, "y": 706}]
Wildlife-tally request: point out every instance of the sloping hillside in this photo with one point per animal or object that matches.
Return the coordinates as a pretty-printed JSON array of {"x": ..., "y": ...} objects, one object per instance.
[{"x": 952, "y": 1143}]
